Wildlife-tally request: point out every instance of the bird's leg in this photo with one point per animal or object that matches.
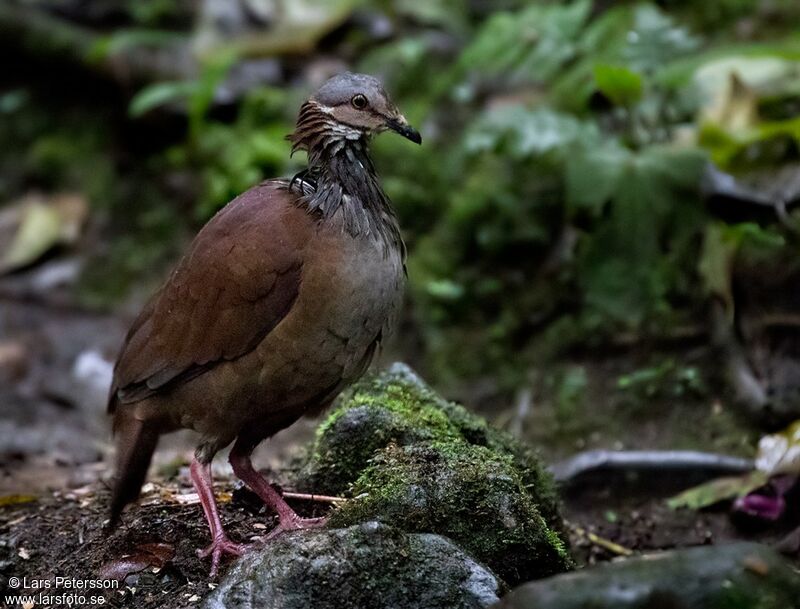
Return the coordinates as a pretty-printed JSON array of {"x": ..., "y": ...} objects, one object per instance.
[
  {"x": 289, "y": 520},
  {"x": 220, "y": 543}
]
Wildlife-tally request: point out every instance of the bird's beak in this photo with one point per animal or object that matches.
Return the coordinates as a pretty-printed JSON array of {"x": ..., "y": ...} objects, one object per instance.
[{"x": 401, "y": 126}]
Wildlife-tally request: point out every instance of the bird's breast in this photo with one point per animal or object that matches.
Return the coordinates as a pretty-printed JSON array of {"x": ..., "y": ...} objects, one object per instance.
[
  {"x": 350, "y": 295},
  {"x": 353, "y": 285}
]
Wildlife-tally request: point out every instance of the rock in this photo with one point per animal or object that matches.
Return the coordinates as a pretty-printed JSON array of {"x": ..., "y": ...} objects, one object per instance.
[
  {"x": 91, "y": 375},
  {"x": 425, "y": 465},
  {"x": 735, "y": 576},
  {"x": 367, "y": 565}
]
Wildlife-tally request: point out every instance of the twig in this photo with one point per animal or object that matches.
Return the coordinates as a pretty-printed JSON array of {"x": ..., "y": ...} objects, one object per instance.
[
  {"x": 522, "y": 410},
  {"x": 317, "y": 498},
  {"x": 601, "y": 542}
]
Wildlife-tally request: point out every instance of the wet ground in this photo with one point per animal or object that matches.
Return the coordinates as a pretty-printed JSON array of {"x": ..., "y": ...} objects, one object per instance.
[
  {"x": 153, "y": 551},
  {"x": 152, "y": 554}
]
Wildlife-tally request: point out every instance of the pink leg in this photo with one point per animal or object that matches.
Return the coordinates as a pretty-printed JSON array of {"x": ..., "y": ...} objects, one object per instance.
[
  {"x": 220, "y": 544},
  {"x": 288, "y": 518}
]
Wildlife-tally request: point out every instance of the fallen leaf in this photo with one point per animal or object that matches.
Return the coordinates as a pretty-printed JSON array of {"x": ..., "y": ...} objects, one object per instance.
[
  {"x": 8, "y": 500},
  {"x": 13, "y": 360},
  {"x": 37, "y": 224},
  {"x": 729, "y": 88},
  {"x": 718, "y": 490},
  {"x": 756, "y": 564},
  {"x": 146, "y": 555},
  {"x": 780, "y": 453},
  {"x": 736, "y": 108}
]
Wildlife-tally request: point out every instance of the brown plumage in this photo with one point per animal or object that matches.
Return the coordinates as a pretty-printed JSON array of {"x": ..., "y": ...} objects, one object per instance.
[{"x": 278, "y": 305}]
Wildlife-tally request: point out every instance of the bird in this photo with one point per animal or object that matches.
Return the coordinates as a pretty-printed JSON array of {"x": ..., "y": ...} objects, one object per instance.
[{"x": 280, "y": 303}]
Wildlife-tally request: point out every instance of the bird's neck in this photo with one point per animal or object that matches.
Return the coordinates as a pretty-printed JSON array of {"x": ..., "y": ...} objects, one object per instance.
[{"x": 341, "y": 178}]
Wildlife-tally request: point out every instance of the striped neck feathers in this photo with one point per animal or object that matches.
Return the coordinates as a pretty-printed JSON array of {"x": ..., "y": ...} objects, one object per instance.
[{"x": 340, "y": 175}]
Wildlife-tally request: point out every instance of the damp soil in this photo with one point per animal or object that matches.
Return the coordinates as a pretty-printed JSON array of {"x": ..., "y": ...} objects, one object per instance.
[
  {"x": 152, "y": 554},
  {"x": 648, "y": 525}
]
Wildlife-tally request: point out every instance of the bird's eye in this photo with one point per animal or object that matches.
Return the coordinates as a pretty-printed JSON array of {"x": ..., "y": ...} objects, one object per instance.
[{"x": 359, "y": 102}]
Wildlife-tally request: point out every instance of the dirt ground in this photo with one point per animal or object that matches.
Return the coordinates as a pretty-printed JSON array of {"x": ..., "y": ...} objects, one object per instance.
[
  {"x": 153, "y": 552},
  {"x": 55, "y": 448}
]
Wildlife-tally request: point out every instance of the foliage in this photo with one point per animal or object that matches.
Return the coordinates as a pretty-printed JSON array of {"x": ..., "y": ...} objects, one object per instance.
[
  {"x": 570, "y": 184},
  {"x": 232, "y": 157},
  {"x": 717, "y": 491},
  {"x": 666, "y": 379},
  {"x": 556, "y": 200}
]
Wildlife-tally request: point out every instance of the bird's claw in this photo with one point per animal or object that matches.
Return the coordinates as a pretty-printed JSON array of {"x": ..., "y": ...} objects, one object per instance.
[
  {"x": 218, "y": 548},
  {"x": 296, "y": 524}
]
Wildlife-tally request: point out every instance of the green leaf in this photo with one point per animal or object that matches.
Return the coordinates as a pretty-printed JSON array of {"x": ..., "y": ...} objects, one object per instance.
[
  {"x": 531, "y": 45},
  {"x": 214, "y": 70},
  {"x": 718, "y": 490},
  {"x": 444, "y": 289},
  {"x": 655, "y": 39},
  {"x": 619, "y": 84},
  {"x": 716, "y": 264},
  {"x": 593, "y": 177},
  {"x": 522, "y": 133},
  {"x": 159, "y": 94},
  {"x": 124, "y": 40},
  {"x": 625, "y": 263}
]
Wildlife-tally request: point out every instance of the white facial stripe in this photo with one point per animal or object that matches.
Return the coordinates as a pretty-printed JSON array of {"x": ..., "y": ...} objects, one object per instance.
[
  {"x": 339, "y": 129},
  {"x": 345, "y": 131}
]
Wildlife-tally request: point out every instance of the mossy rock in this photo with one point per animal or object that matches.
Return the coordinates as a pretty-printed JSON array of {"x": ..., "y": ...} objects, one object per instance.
[
  {"x": 367, "y": 565},
  {"x": 733, "y": 576},
  {"x": 467, "y": 493},
  {"x": 420, "y": 463}
]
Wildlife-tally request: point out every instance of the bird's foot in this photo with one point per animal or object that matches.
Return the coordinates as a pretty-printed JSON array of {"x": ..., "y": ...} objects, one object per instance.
[
  {"x": 295, "y": 523},
  {"x": 220, "y": 547}
]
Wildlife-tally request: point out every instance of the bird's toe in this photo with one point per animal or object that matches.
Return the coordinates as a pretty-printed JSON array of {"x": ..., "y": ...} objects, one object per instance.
[
  {"x": 296, "y": 524},
  {"x": 218, "y": 548}
]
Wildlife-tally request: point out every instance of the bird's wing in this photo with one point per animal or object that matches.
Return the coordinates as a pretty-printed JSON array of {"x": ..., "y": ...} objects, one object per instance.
[{"x": 239, "y": 279}]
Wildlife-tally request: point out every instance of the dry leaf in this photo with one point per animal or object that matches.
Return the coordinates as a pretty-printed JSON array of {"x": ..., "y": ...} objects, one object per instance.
[
  {"x": 780, "y": 453},
  {"x": 36, "y": 224}
]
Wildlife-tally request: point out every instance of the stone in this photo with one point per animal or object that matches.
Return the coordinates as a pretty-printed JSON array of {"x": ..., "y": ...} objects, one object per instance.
[
  {"x": 733, "y": 576},
  {"x": 425, "y": 465},
  {"x": 367, "y": 565}
]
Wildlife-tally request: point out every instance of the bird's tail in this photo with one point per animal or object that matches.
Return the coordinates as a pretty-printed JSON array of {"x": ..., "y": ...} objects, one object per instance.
[{"x": 136, "y": 443}]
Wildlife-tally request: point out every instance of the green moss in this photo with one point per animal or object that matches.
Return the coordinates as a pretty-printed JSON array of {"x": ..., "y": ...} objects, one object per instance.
[
  {"x": 380, "y": 410},
  {"x": 418, "y": 462},
  {"x": 468, "y": 493}
]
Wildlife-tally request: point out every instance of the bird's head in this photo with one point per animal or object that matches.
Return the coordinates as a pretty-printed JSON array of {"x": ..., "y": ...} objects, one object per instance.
[{"x": 348, "y": 107}]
